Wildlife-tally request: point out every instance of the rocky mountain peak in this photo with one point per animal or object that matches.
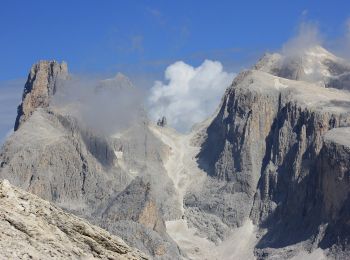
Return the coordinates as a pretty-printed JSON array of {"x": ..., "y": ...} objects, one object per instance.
[
  {"x": 118, "y": 82},
  {"x": 41, "y": 85},
  {"x": 314, "y": 64}
]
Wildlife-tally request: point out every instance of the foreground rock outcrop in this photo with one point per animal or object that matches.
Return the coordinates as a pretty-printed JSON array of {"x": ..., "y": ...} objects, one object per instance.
[{"x": 32, "y": 228}]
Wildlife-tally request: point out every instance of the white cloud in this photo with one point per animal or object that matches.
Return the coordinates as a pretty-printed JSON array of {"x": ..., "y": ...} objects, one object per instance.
[{"x": 189, "y": 94}]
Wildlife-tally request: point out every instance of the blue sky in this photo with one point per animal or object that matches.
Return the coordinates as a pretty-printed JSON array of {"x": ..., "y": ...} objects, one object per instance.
[
  {"x": 142, "y": 38},
  {"x": 146, "y": 36}
]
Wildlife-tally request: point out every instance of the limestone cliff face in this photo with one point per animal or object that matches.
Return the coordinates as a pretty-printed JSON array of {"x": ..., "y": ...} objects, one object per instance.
[
  {"x": 134, "y": 211},
  {"x": 41, "y": 84},
  {"x": 51, "y": 156},
  {"x": 241, "y": 127},
  {"x": 264, "y": 146},
  {"x": 32, "y": 228},
  {"x": 136, "y": 203},
  {"x": 334, "y": 187},
  {"x": 57, "y": 157},
  {"x": 276, "y": 152}
]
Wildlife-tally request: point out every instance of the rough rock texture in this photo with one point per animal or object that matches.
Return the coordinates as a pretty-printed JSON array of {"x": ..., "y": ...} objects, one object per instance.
[
  {"x": 41, "y": 85},
  {"x": 276, "y": 153},
  {"x": 313, "y": 64},
  {"x": 334, "y": 187},
  {"x": 53, "y": 155},
  {"x": 136, "y": 203},
  {"x": 263, "y": 146},
  {"x": 162, "y": 121},
  {"x": 32, "y": 228},
  {"x": 134, "y": 206},
  {"x": 141, "y": 153}
]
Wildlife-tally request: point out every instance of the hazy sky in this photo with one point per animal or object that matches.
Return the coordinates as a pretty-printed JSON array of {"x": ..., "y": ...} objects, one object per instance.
[{"x": 146, "y": 39}]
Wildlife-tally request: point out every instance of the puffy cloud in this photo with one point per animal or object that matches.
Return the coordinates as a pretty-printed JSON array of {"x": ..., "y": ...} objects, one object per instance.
[{"x": 189, "y": 94}]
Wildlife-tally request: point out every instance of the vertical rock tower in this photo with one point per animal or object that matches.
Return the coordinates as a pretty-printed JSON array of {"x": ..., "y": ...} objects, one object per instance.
[{"x": 41, "y": 85}]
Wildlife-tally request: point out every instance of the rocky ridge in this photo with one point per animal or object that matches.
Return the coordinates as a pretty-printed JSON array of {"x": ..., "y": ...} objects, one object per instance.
[
  {"x": 265, "y": 178},
  {"x": 313, "y": 64},
  {"x": 53, "y": 155},
  {"x": 262, "y": 150},
  {"x": 32, "y": 228}
]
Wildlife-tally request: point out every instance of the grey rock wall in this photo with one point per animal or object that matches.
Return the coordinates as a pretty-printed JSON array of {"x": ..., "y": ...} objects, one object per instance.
[
  {"x": 42, "y": 83},
  {"x": 262, "y": 153}
]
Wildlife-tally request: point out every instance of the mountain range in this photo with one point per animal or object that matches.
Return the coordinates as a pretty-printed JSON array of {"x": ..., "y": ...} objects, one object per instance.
[{"x": 267, "y": 176}]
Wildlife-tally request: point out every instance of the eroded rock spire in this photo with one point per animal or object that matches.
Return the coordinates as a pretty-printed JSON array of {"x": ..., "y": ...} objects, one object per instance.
[{"x": 41, "y": 85}]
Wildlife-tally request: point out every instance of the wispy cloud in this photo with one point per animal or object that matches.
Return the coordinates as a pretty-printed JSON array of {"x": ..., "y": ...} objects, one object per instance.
[
  {"x": 308, "y": 35},
  {"x": 105, "y": 105}
]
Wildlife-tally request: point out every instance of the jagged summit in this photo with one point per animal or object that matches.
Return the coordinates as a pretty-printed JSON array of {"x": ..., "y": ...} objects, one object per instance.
[
  {"x": 265, "y": 177},
  {"x": 84, "y": 170},
  {"x": 314, "y": 64},
  {"x": 118, "y": 82},
  {"x": 41, "y": 85}
]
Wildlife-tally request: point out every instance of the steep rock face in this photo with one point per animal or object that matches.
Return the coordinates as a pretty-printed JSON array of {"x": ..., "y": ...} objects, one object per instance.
[
  {"x": 263, "y": 146},
  {"x": 55, "y": 156},
  {"x": 136, "y": 203},
  {"x": 135, "y": 211},
  {"x": 288, "y": 191},
  {"x": 41, "y": 85},
  {"x": 141, "y": 153},
  {"x": 32, "y": 228},
  {"x": 52, "y": 156},
  {"x": 334, "y": 187},
  {"x": 242, "y": 125}
]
